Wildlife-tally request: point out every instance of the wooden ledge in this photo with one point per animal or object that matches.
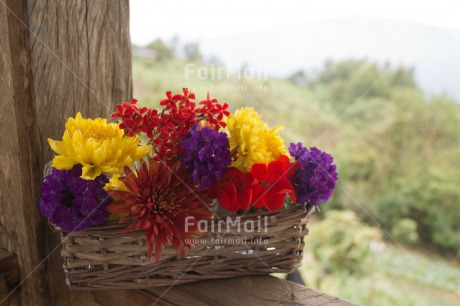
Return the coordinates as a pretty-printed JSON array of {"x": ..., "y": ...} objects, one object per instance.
[{"x": 251, "y": 290}]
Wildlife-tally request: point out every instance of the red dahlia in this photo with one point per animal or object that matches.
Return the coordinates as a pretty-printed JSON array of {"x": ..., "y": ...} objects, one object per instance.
[{"x": 158, "y": 201}]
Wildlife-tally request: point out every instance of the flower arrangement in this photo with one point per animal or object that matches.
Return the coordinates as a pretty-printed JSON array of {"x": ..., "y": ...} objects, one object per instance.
[{"x": 195, "y": 157}]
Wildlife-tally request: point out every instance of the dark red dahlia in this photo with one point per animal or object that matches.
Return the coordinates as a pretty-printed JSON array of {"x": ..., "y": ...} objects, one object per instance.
[{"x": 158, "y": 201}]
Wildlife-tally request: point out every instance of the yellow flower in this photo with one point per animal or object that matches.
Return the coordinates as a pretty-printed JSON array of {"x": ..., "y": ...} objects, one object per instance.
[
  {"x": 97, "y": 145},
  {"x": 252, "y": 139},
  {"x": 115, "y": 184}
]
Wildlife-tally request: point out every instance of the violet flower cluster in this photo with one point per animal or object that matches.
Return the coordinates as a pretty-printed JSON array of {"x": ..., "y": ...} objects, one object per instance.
[
  {"x": 316, "y": 177},
  {"x": 71, "y": 202},
  {"x": 206, "y": 155}
]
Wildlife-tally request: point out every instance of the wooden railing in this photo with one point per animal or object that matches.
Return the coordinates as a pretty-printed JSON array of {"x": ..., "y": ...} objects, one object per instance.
[{"x": 251, "y": 290}]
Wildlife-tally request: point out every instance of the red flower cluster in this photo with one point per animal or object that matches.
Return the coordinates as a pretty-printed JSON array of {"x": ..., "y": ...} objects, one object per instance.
[
  {"x": 134, "y": 119},
  {"x": 265, "y": 185},
  {"x": 166, "y": 128}
]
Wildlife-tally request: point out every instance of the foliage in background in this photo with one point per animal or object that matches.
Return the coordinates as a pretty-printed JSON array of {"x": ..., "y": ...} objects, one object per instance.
[
  {"x": 405, "y": 231},
  {"x": 397, "y": 152},
  {"x": 342, "y": 244}
]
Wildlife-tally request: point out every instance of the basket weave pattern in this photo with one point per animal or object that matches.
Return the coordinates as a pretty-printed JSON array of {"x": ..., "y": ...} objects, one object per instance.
[{"x": 105, "y": 258}]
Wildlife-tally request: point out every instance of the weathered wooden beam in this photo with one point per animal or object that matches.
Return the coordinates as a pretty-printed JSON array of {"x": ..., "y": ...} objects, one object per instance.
[
  {"x": 56, "y": 58},
  {"x": 20, "y": 224},
  {"x": 251, "y": 290}
]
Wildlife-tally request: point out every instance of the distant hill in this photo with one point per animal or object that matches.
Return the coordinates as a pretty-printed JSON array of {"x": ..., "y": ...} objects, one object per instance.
[{"x": 282, "y": 50}]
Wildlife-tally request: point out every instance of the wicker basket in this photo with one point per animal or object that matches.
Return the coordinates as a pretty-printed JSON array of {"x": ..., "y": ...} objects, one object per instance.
[{"x": 105, "y": 258}]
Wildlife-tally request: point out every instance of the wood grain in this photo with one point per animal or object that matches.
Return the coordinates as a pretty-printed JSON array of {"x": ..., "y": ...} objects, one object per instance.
[
  {"x": 81, "y": 60},
  {"x": 56, "y": 58},
  {"x": 251, "y": 290},
  {"x": 20, "y": 224}
]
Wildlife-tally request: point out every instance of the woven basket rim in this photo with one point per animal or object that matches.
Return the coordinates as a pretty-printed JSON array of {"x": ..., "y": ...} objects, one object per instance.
[{"x": 310, "y": 209}]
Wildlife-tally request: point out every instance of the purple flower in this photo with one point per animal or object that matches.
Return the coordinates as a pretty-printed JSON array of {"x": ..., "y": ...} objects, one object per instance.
[
  {"x": 317, "y": 175},
  {"x": 206, "y": 155},
  {"x": 71, "y": 202}
]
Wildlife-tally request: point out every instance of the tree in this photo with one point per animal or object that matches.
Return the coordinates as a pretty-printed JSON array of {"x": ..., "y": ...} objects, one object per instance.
[
  {"x": 192, "y": 52},
  {"x": 163, "y": 51},
  {"x": 299, "y": 78},
  {"x": 351, "y": 81},
  {"x": 406, "y": 166}
]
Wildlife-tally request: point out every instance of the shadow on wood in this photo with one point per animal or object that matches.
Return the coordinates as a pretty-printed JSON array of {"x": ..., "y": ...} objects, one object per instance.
[
  {"x": 295, "y": 277},
  {"x": 9, "y": 277}
]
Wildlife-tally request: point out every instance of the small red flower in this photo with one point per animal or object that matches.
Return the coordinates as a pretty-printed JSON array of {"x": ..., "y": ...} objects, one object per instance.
[
  {"x": 132, "y": 117},
  {"x": 272, "y": 183},
  {"x": 213, "y": 111}
]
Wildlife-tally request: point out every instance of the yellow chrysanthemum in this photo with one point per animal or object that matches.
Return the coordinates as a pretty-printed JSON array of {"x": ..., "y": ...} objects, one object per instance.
[
  {"x": 253, "y": 140},
  {"x": 97, "y": 145},
  {"x": 115, "y": 184}
]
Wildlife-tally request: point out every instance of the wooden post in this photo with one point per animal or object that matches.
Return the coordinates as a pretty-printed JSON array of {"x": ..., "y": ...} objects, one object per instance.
[{"x": 56, "y": 58}]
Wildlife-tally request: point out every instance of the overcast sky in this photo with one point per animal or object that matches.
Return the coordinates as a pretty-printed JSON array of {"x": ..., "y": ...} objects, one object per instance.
[
  {"x": 196, "y": 20},
  {"x": 283, "y": 36}
]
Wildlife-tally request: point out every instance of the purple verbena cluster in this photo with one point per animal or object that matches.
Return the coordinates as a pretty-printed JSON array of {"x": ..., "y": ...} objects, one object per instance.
[
  {"x": 206, "y": 155},
  {"x": 316, "y": 177},
  {"x": 71, "y": 202}
]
